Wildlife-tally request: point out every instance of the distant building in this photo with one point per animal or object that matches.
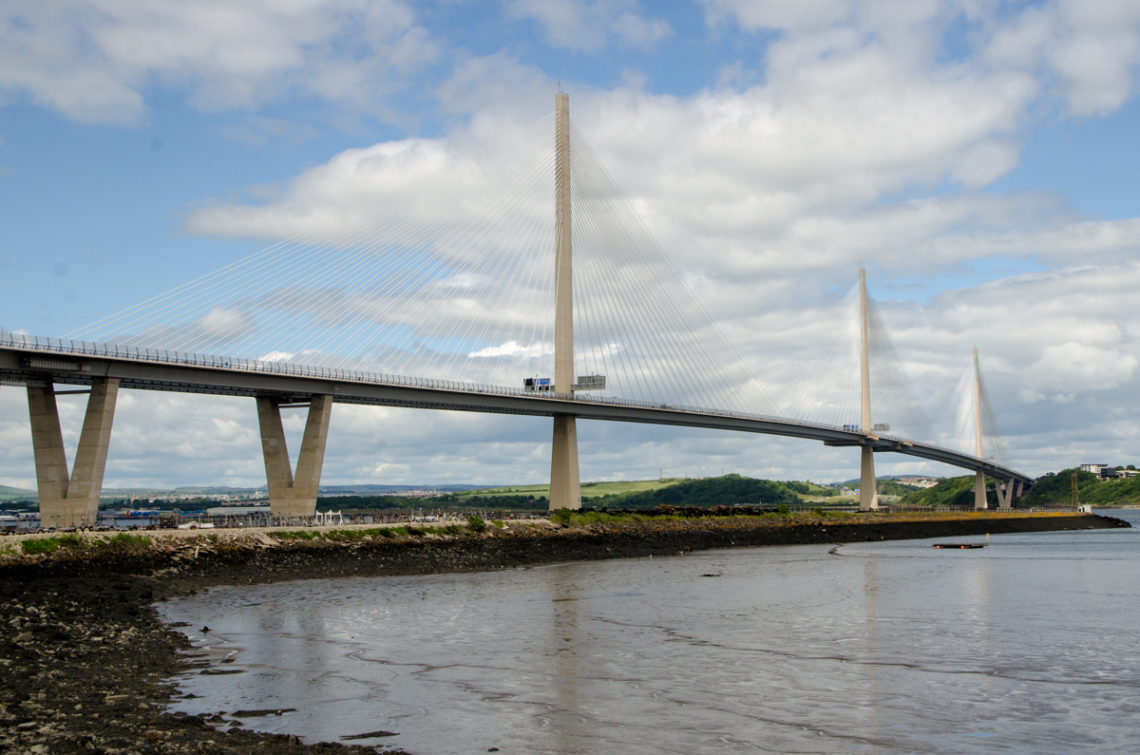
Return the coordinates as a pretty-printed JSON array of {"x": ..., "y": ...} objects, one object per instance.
[
  {"x": 1105, "y": 472},
  {"x": 237, "y": 510},
  {"x": 919, "y": 482}
]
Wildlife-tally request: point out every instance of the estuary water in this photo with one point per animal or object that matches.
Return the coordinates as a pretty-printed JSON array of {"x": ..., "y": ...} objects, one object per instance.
[{"x": 1031, "y": 644}]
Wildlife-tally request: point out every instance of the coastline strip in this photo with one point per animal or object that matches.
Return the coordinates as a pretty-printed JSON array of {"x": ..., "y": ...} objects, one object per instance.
[{"x": 87, "y": 664}]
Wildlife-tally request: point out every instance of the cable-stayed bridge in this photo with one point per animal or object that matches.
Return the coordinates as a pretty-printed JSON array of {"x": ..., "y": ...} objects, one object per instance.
[{"x": 444, "y": 294}]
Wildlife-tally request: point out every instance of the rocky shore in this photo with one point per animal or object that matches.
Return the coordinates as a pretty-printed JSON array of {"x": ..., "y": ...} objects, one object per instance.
[{"x": 86, "y": 664}]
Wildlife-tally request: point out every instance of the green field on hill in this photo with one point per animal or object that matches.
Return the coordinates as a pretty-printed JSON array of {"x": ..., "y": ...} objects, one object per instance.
[
  {"x": 732, "y": 489},
  {"x": 16, "y": 494},
  {"x": 589, "y": 489}
]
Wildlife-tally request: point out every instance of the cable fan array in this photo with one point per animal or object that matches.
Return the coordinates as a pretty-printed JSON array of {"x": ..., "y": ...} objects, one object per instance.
[
  {"x": 451, "y": 277},
  {"x": 970, "y": 390},
  {"x": 640, "y": 323},
  {"x": 825, "y": 374}
]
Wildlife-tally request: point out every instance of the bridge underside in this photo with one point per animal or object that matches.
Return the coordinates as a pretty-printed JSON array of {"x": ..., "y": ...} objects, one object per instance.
[{"x": 278, "y": 385}]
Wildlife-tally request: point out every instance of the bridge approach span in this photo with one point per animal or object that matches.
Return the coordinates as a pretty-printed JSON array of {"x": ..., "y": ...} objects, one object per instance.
[{"x": 25, "y": 360}]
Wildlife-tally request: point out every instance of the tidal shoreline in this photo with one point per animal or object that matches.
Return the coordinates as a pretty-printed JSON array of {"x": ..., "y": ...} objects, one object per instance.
[{"x": 87, "y": 665}]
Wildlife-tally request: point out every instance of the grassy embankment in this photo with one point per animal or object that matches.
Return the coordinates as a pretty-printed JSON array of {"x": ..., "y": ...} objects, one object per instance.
[{"x": 95, "y": 545}]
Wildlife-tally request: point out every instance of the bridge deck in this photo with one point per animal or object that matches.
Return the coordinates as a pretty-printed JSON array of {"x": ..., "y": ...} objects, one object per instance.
[{"x": 78, "y": 363}]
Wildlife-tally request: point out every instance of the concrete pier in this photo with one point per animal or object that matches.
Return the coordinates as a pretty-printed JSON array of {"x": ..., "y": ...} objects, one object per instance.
[
  {"x": 293, "y": 495},
  {"x": 71, "y": 500}
]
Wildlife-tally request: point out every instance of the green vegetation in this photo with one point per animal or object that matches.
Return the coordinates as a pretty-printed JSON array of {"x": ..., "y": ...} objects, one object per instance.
[
  {"x": 367, "y": 502},
  {"x": 896, "y": 488},
  {"x": 594, "y": 516},
  {"x": 126, "y": 538},
  {"x": 727, "y": 490},
  {"x": 715, "y": 491},
  {"x": 40, "y": 545},
  {"x": 566, "y": 516},
  {"x": 511, "y": 490},
  {"x": 590, "y": 490},
  {"x": 626, "y": 494},
  {"x": 1049, "y": 490},
  {"x": 52, "y": 543},
  {"x": 72, "y": 541},
  {"x": 16, "y": 495},
  {"x": 297, "y": 534},
  {"x": 1057, "y": 490},
  {"x": 475, "y": 523},
  {"x": 446, "y": 501},
  {"x": 952, "y": 491},
  {"x": 338, "y": 535},
  {"x": 808, "y": 489}
]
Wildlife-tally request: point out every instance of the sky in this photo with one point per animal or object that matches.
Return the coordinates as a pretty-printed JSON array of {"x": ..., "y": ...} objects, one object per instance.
[{"x": 977, "y": 157}]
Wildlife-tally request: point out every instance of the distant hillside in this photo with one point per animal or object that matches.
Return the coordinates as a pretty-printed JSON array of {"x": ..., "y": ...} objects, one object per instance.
[
  {"x": 1057, "y": 489},
  {"x": 8, "y": 493},
  {"x": 383, "y": 489},
  {"x": 887, "y": 486},
  {"x": 951, "y": 491},
  {"x": 714, "y": 491},
  {"x": 1049, "y": 490},
  {"x": 634, "y": 494},
  {"x": 894, "y": 487},
  {"x": 590, "y": 490}
]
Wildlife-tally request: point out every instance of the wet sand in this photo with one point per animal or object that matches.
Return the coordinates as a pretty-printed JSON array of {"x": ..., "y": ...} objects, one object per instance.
[{"x": 85, "y": 662}]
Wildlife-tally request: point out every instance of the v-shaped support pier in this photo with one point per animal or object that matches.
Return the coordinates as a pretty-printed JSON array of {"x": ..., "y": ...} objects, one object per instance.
[
  {"x": 71, "y": 500},
  {"x": 293, "y": 495}
]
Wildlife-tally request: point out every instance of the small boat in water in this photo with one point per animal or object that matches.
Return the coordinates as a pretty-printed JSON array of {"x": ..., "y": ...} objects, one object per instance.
[{"x": 962, "y": 546}]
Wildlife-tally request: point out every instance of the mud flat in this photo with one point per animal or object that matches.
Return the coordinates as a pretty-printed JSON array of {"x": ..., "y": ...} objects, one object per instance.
[{"x": 85, "y": 662}]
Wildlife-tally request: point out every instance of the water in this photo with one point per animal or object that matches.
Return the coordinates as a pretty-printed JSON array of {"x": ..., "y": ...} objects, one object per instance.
[{"x": 1029, "y": 645}]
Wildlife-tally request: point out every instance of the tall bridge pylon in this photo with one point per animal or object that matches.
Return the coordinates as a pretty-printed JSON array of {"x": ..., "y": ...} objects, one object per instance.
[
  {"x": 980, "y": 478},
  {"x": 868, "y": 485},
  {"x": 565, "y": 485},
  {"x": 1006, "y": 490},
  {"x": 974, "y": 404}
]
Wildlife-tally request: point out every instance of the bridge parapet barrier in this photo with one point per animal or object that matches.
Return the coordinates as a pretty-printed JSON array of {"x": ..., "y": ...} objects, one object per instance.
[
  {"x": 134, "y": 352},
  {"x": 211, "y": 360}
]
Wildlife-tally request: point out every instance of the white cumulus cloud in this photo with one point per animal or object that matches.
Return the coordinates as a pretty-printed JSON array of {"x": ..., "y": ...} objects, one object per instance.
[{"x": 95, "y": 60}]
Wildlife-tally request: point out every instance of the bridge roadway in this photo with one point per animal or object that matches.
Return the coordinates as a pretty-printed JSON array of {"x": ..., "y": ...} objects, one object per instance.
[{"x": 24, "y": 359}]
